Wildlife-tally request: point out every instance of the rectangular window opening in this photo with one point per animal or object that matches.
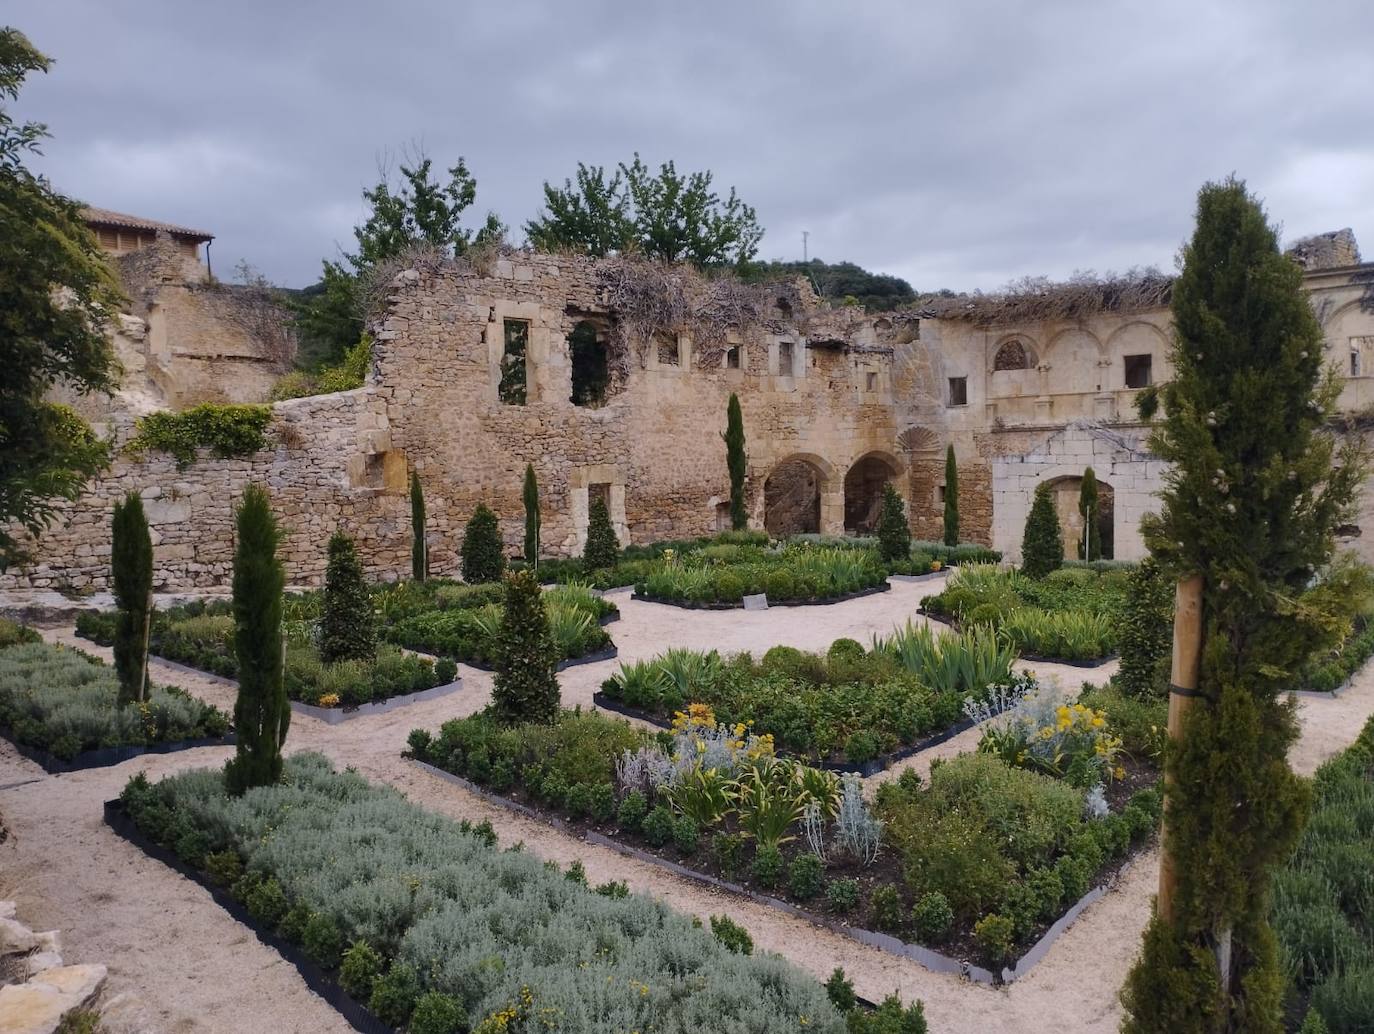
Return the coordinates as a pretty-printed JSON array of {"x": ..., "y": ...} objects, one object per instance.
[
  {"x": 871, "y": 381},
  {"x": 732, "y": 357},
  {"x": 668, "y": 353},
  {"x": 785, "y": 359},
  {"x": 958, "y": 391},
  {"x": 513, "y": 387},
  {"x": 1138, "y": 371}
]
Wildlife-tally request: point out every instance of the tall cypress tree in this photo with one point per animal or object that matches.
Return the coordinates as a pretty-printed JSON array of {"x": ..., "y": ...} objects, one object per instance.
[
  {"x": 526, "y": 685},
  {"x": 1042, "y": 543},
  {"x": 262, "y": 713},
  {"x": 531, "y": 518},
  {"x": 419, "y": 544},
  {"x": 348, "y": 630},
  {"x": 736, "y": 462},
  {"x": 951, "y": 498},
  {"x": 131, "y": 563},
  {"x": 1250, "y": 504},
  {"x": 1091, "y": 546}
]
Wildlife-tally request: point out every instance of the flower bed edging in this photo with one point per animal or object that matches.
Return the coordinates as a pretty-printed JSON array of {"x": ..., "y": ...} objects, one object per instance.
[
  {"x": 358, "y": 1015},
  {"x": 689, "y": 605},
  {"x": 927, "y": 957},
  {"x": 929, "y": 576},
  {"x": 608, "y": 653},
  {"x": 335, "y": 715},
  {"x": 863, "y": 769},
  {"x": 103, "y": 757}
]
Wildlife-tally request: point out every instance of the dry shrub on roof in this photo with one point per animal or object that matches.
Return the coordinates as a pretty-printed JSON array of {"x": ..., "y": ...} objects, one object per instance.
[{"x": 1039, "y": 299}]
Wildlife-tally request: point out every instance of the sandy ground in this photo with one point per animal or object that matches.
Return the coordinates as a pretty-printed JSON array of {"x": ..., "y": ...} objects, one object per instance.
[{"x": 195, "y": 969}]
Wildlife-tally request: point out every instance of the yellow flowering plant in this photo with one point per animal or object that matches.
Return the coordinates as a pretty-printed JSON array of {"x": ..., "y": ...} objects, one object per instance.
[{"x": 1069, "y": 741}]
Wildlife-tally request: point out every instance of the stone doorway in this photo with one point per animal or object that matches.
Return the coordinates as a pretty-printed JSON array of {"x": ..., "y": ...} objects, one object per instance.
[
  {"x": 863, "y": 492},
  {"x": 792, "y": 498}
]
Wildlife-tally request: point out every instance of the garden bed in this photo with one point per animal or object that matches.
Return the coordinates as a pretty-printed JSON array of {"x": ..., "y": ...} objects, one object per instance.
[
  {"x": 608, "y": 653},
  {"x": 1332, "y": 675},
  {"x": 59, "y": 707},
  {"x": 816, "y": 602},
  {"x": 958, "y": 626},
  {"x": 979, "y": 866},
  {"x": 326, "y": 861}
]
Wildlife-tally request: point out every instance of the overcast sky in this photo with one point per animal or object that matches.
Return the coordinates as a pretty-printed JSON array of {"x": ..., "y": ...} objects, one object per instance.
[{"x": 957, "y": 145}]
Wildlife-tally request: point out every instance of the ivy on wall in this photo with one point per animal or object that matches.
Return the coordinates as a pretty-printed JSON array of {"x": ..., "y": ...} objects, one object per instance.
[{"x": 227, "y": 430}]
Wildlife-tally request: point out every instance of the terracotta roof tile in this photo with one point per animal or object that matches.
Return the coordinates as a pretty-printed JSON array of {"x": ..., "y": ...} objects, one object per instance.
[{"x": 104, "y": 217}]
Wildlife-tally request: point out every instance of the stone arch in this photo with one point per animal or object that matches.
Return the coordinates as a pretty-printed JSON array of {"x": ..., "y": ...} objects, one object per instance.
[
  {"x": 1064, "y": 489},
  {"x": 863, "y": 490},
  {"x": 1078, "y": 360},
  {"x": 1014, "y": 352},
  {"x": 795, "y": 495}
]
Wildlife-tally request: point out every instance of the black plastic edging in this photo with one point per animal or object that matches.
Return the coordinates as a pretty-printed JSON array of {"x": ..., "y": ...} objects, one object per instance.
[
  {"x": 688, "y": 605},
  {"x": 864, "y": 769},
  {"x": 337, "y": 715},
  {"x": 927, "y": 957},
  {"x": 609, "y": 653},
  {"x": 319, "y": 981},
  {"x": 103, "y": 757}
]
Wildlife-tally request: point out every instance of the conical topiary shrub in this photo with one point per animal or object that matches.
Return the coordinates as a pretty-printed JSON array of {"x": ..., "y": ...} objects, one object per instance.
[
  {"x": 262, "y": 713},
  {"x": 131, "y": 563},
  {"x": 603, "y": 548},
  {"x": 1042, "y": 545},
  {"x": 532, "y": 522},
  {"x": 348, "y": 631},
  {"x": 483, "y": 557},
  {"x": 526, "y": 686},
  {"x": 894, "y": 533}
]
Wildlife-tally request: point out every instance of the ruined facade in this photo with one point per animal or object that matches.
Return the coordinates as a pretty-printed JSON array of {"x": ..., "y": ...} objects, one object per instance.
[{"x": 611, "y": 377}]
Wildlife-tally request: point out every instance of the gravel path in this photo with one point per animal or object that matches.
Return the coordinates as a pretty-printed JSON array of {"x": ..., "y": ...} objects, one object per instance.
[{"x": 197, "y": 970}]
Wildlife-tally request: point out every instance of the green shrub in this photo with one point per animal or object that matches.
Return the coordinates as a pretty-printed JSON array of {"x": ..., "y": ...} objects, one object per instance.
[
  {"x": 227, "y": 430},
  {"x": 840, "y": 990},
  {"x": 994, "y": 934},
  {"x": 322, "y": 940},
  {"x": 267, "y": 903},
  {"x": 632, "y": 811},
  {"x": 894, "y": 533},
  {"x": 728, "y": 851},
  {"x": 885, "y": 909},
  {"x": 602, "y": 549},
  {"x": 685, "y": 834},
  {"x": 131, "y": 573},
  {"x": 842, "y": 895},
  {"x": 1042, "y": 545},
  {"x": 394, "y": 994},
  {"x": 932, "y": 917},
  {"x": 292, "y": 925},
  {"x": 806, "y": 876},
  {"x": 657, "y": 826},
  {"x": 845, "y": 650},
  {"x": 359, "y": 970},
  {"x": 14, "y": 634},
  {"x": 525, "y": 688},
  {"x": 438, "y": 1014},
  {"x": 483, "y": 555},
  {"x": 347, "y": 628},
  {"x": 768, "y": 867},
  {"x": 1146, "y": 632},
  {"x": 735, "y": 937},
  {"x": 891, "y": 1017},
  {"x": 223, "y": 867}
]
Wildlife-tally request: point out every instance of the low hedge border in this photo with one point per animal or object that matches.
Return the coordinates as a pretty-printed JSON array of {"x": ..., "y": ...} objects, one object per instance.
[
  {"x": 864, "y": 769},
  {"x": 608, "y": 653},
  {"x": 1035, "y": 657},
  {"x": 688, "y": 605},
  {"x": 357, "y": 1014},
  {"x": 103, "y": 757},
  {"x": 927, "y": 957}
]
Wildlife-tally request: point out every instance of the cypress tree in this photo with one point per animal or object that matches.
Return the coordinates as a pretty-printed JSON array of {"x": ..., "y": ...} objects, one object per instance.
[
  {"x": 603, "y": 548},
  {"x": 1250, "y": 505},
  {"x": 1042, "y": 544},
  {"x": 1091, "y": 546},
  {"x": 735, "y": 462},
  {"x": 1146, "y": 631},
  {"x": 483, "y": 556},
  {"x": 531, "y": 518},
  {"x": 526, "y": 687},
  {"x": 262, "y": 714},
  {"x": 131, "y": 563},
  {"x": 348, "y": 631},
  {"x": 894, "y": 533},
  {"x": 951, "y": 498},
  {"x": 419, "y": 545}
]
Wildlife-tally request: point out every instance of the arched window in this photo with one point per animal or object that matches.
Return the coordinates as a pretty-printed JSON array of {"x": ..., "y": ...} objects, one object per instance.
[{"x": 1013, "y": 355}]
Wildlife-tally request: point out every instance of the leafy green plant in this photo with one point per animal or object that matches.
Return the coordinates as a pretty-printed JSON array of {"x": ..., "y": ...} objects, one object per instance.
[
  {"x": 735, "y": 937},
  {"x": 483, "y": 556},
  {"x": 525, "y": 688},
  {"x": 227, "y": 430},
  {"x": 347, "y": 627}
]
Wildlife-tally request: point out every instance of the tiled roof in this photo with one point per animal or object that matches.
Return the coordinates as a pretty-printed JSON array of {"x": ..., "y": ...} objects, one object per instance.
[{"x": 104, "y": 217}]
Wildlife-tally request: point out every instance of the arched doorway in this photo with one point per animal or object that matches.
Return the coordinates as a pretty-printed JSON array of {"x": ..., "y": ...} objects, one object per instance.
[
  {"x": 792, "y": 498},
  {"x": 1065, "y": 492},
  {"x": 863, "y": 491}
]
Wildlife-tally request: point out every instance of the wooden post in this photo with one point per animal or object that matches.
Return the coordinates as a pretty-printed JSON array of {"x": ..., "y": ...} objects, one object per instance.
[{"x": 1183, "y": 684}]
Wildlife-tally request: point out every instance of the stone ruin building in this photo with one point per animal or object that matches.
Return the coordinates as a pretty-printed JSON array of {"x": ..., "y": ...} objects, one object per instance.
[{"x": 611, "y": 377}]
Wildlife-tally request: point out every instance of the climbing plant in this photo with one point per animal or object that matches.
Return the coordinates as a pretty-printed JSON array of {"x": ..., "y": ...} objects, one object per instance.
[
  {"x": 226, "y": 430},
  {"x": 1255, "y": 490},
  {"x": 131, "y": 570}
]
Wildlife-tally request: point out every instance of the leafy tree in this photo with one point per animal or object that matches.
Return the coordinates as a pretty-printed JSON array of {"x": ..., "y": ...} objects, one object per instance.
[
  {"x": 348, "y": 630},
  {"x": 531, "y": 517},
  {"x": 418, "y": 209},
  {"x": 894, "y": 533},
  {"x": 1255, "y": 491},
  {"x": 1146, "y": 631},
  {"x": 1042, "y": 544},
  {"x": 736, "y": 462},
  {"x": 47, "y": 452},
  {"x": 951, "y": 498},
  {"x": 603, "y": 548},
  {"x": 262, "y": 713},
  {"x": 419, "y": 545},
  {"x": 526, "y": 687},
  {"x": 838, "y": 282},
  {"x": 131, "y": 563},
  {"x": 668, "y": 216},
  {"x": 1091, "y": 546},
  {"x": 484, "y": 557}
]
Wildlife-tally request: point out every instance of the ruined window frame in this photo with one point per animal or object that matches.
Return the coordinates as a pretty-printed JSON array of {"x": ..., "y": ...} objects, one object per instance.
[
  {"x": 787, "y": 359},
  {"x": 513, "y": 388},
  {"x": 734, "y": 357},
  {"x": 1134, "y": 365},
  {"x": 958, "y": 391},
  {"x": 595, "y": 385}
]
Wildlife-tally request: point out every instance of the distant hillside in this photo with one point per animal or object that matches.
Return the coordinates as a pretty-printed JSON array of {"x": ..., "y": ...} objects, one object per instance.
[{"x": 839, "y": 282}]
